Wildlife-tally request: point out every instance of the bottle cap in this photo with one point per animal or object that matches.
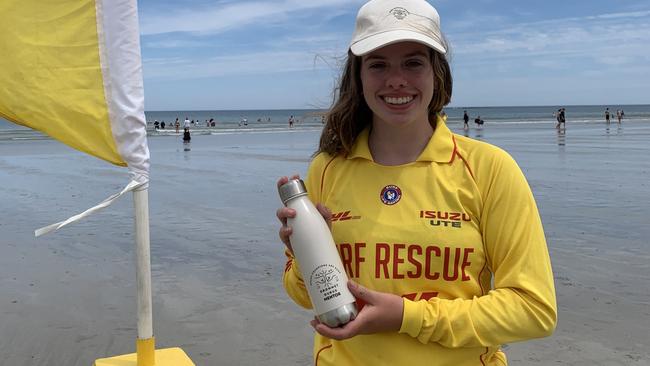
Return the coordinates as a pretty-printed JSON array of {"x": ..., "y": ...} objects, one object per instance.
[{"x": 292, "y": 189}]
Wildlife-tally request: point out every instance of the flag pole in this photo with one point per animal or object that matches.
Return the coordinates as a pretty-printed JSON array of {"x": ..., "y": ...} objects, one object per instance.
[
  {"x": 145, "y": 345},
  {"x": 146, "y": 353}
]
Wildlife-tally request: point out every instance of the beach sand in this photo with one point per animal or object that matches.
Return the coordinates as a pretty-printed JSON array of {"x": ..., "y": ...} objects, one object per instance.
[{"x": 69, "y": 298}]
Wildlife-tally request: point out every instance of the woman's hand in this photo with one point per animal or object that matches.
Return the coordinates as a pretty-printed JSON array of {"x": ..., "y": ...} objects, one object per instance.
[
  {"x": 283, "y": 213},
  {"x": 382, "y": 313}
]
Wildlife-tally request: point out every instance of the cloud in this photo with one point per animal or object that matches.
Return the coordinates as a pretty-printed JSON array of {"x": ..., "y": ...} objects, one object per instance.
[
  {"x": 303, "y": 45},
  {"x": 623, "y": 35},
  {"x": 472, "y": 20},
  {"x": 626, "y": 15},
  {"x": 222, "y": 17},
  {"x": 174, "y": 43},
  {"x": 253, "y": 63}
]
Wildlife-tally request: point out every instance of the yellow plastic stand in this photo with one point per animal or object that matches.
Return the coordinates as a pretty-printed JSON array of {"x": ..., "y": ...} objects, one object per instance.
[{"x": 148, "y": 356}]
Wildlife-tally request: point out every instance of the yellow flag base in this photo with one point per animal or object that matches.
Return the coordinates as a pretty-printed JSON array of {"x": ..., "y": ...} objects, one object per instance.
[{"x": 147, "y": 355}]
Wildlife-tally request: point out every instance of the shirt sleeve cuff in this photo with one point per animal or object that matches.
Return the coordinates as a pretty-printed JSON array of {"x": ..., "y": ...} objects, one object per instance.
[{"x": 413, "y": 317}]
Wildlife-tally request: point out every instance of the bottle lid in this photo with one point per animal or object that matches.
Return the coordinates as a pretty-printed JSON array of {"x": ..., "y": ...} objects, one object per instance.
[{"x": 292, "y": 189}]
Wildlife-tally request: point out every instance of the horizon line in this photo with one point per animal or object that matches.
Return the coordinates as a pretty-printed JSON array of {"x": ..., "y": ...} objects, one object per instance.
[{"x": 457, "y": 107}]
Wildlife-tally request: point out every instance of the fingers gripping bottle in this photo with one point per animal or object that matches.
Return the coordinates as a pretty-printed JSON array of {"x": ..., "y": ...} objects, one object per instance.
[{"x": 318, "y": 259}]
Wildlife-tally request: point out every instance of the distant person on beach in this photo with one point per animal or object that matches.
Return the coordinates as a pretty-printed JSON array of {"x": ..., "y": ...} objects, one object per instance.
[
  {"x": 162, "y": 125},
  {"x": 465, "y": 121},
  {"x": 186, "y": 123},
  {"x": 607, "y": 115},
  {"x": 291, "y": 121},
  {"x": 177, "y": 125},
  {"x": 479, "y": 122},
  {"x": 186, "y": 135},
  {"x": 439, "y": 233},
  {"x": 619, "y": 116},
  {"x": 561, "y": 118},
  {"x": 156, "y": 124}
]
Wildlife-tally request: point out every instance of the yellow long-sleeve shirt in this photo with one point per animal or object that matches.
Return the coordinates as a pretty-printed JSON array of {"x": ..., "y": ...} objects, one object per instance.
[{"x": 456, "y": 233}]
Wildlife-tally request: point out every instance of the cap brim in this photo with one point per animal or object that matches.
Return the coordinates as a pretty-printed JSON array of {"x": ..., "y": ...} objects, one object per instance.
[{"x": 376, "y": 41}]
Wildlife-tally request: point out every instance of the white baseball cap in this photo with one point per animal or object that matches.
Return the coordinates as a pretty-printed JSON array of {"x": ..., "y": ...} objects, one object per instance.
[{"x": 384, "y": 22}]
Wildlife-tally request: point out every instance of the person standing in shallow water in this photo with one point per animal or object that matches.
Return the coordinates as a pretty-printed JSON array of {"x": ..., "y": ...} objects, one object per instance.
[
  {"x": 465, "y": 121},
  {"x": 186, "y": 135},
  {"x": 561, "y": 118},
  {"x": 439, "y": 233}
]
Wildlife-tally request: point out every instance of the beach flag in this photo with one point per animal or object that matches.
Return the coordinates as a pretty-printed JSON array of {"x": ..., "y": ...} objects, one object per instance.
[{"x": 72, "y": 69}]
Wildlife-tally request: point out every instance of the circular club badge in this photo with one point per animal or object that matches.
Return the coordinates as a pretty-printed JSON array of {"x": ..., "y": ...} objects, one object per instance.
[{"x": 390, "y": 195}]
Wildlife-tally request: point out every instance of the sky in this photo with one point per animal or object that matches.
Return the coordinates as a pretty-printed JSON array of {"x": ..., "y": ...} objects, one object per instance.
[{"x": 286, "y": 54}]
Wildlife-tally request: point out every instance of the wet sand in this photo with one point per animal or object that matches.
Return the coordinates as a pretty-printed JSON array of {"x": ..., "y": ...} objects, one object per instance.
[{"x": 69, "y": 298}]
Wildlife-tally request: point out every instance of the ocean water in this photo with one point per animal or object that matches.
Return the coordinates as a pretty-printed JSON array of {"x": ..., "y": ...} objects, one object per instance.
[{"x": 228, "y": 121}]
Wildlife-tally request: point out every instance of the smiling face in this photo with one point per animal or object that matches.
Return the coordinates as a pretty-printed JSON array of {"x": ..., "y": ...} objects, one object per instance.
[{"x": 398, "y": 84}]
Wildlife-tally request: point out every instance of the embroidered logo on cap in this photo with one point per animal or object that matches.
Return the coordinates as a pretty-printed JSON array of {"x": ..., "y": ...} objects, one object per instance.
[
  {"x": 390, "y": 195},
  {"x": 399, "y": 13}
]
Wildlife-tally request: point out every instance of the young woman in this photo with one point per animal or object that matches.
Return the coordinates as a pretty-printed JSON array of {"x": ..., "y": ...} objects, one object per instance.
[{"x": 439, "y": 234}]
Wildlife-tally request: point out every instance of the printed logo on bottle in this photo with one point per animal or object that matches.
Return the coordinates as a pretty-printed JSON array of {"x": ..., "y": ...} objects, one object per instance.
[
  {"x": 390, "y": 195},
  {"x": 326, "y": 278}
]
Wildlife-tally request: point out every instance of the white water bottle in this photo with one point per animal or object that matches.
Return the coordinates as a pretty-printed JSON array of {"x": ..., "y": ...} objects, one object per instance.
[{"x": 318, "y": 259}]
